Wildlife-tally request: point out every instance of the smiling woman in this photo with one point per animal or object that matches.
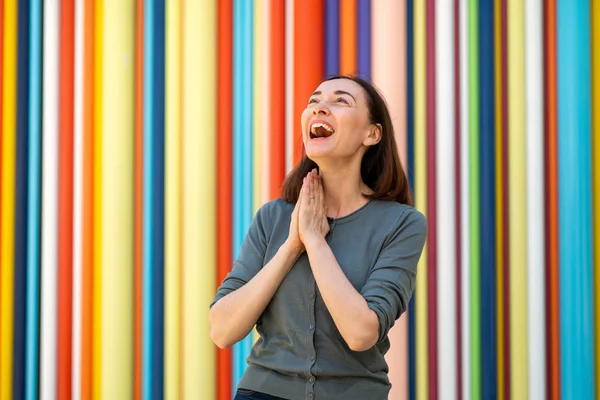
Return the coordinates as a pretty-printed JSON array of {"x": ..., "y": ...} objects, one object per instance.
[{"x": 326, "y": 270}]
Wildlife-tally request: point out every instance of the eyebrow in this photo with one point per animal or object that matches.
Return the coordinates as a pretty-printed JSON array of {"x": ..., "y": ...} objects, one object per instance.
[{"x": 317, "y": 93}]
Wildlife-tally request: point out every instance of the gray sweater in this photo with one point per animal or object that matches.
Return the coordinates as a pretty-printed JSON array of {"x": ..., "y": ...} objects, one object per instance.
[{"x": 300, "y": 353}]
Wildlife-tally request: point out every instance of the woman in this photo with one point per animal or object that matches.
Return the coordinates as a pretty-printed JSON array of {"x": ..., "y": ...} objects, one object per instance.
[{"x": 325, "y": 271}]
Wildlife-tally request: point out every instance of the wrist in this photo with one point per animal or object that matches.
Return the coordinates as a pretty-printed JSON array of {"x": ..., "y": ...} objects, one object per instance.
[
  {"x": 292, "y": 249},
  {"x": 313, "y": 242}
]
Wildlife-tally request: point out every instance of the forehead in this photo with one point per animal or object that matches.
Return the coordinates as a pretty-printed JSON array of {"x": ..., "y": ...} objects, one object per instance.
[{"x": 345, "y": 85}]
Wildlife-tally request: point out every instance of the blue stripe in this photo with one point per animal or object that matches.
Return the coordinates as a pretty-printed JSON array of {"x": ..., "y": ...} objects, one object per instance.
[
  {"x": 364, "y": 38},
  {"x": 158, "y": 204},
  {"x": 148, "y": 215},
  {"x": 487, "y": 199},
  {"x": 410, "y": 143},
  {"x": 242, "y": 143},
  {"x": 575, "y": 196},
  {"x": 332, "y": 37},
  {"x": 20, "y": 277},
  {"x": 33, "y": 203}
]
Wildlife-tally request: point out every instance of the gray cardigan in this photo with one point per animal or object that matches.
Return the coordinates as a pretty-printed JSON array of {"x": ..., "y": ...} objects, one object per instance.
[{"x": 300, "y": 353}]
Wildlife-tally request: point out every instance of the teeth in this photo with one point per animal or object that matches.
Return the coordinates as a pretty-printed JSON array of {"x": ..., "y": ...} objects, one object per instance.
[{"x": 316, "y": 125}]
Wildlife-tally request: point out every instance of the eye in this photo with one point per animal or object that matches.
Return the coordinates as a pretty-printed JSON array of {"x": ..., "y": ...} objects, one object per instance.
[
  {"x": 313, "y": 101},
  {"x": 342, "y": 100}
]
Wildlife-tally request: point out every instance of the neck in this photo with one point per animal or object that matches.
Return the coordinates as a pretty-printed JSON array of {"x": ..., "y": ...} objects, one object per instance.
[{"x": 343, "y": 187}]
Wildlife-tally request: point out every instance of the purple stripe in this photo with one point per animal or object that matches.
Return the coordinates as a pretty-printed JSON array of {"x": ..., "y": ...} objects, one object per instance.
[
  {"x": 364, "y": 38},
  {"x": 332, "y": 37}
]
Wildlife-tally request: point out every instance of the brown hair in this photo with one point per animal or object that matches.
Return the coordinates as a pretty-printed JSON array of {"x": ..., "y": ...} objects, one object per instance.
[{"x": 380, "y": 169}]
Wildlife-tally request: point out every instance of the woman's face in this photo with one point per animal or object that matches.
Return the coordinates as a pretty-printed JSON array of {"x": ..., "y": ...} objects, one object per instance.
[{"x": 335, "y": 123}]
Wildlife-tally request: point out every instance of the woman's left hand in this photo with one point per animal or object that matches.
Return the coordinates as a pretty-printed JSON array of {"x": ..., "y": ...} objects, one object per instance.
[{"x": 312, "y": 219}]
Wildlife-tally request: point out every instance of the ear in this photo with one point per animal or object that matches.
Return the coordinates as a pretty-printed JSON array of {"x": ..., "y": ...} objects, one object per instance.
[{"x": 374, "y": 136}]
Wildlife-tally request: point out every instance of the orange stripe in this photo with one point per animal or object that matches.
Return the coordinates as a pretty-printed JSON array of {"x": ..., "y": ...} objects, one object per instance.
[
  {"x": 277, "y": 98},
  {"x": 308, "y": 45},
  {"x": 138, "y": 192},
  {"x": 88, "y": 203},
  {"x": 348, "y": 37},
  {"x": 552, "y": 209},
  {"x": 65, "y": 204},
  {"x": 224, "y": 177}
]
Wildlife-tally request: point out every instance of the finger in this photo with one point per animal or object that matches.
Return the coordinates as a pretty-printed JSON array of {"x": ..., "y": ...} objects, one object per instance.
[
  {"x": 316, "y": 192},
  {"x": 321, "y": 193},
  {"x": 306, "y": 192}
]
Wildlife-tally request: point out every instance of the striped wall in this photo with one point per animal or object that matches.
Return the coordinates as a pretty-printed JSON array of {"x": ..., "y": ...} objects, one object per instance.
[{"x": 139, "y": 137}]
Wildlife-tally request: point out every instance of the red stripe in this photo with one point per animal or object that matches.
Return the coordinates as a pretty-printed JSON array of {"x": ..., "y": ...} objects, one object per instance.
[
  {"x": 457, "y": 174},
  {"x": 550, "y": 111},
  {"x": 277, "y": 98},
  {"x": 431, "y": 204},
  {"x": 308, "y": 60},
  {"x": 224, "y": 175},
  {"x": 65, "y": 203},
  {"x": 138, "y": 198},
  {"x": 88, "y": 204}
]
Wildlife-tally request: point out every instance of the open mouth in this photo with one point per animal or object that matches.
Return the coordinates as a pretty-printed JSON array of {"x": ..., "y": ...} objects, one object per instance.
[{"x": 320, "y": 130}]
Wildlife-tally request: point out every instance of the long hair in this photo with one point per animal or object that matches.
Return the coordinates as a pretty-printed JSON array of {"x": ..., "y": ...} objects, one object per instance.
[{"x": 380, "y": 169}]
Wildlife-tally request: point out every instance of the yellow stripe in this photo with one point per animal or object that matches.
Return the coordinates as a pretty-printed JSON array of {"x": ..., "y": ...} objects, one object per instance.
[
  {"x": 596, "y": 161},
  {"x": 7, "y": 245},
  {"x": 199, "y": 224},
  {"x": 117, "y": 196},
  {"x": 97, "y": 217},
  {"x": 499, "y": 203},
  {"x": 517, "y": 199},
  {"x": 422, "y": 366},
  {"x": 173, "y": 200}
]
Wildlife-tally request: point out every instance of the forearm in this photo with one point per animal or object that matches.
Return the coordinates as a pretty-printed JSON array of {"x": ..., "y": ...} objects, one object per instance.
[
  {"x": 357, "y": 323},
  {"x": 234, "y": 316}
]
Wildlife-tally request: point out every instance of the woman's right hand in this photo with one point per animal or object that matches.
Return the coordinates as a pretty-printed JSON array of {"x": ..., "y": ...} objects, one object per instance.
[{"x": 293, "y": 239}]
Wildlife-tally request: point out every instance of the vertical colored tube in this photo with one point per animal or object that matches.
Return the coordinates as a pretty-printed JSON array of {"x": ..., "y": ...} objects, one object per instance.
[
  {"x": 517, "y": 172},
  {"x": 242, "y": 149},
  {"x": 363, "y": 32},
  {"x": 88, "y": 207},
  {"x": 389, "y": 75},
  {"x": 575, "y": 219},
  {"x": 474, "y": 209},
  {"x": 410, "y": 140},
  {"x": 536, "y": 276},
  {"x": 277, "y": 96},
  {"x": 266, "y": 108},
  {"x": 20, "y": 228},
  {"x": 445, "y": 183},
  {"x": 420, "y": 105},
  {"x": 65, "y": 200},
  {"x": 224, "y": 173},
  {"x": 7, "y": 244},
  {"x": 172, "y": 193},
  {"x": 149, "y": 150},
  {"x": 308, "y": 44},
  {"x": 257, "y": 79},
  {"x": 78, "y": 185},
  {"x": 290, "y": 83},
  {"x": 98, "y": 270},
  {"x": 431, "y": 201},
  {"x": 138, "y": 199},
  {"x": 487, "y": 200},
  {"x": 332, "y": 37},
  {"x": 348, "y": 37},
  {"x": 551, "y": 115},
  {"x": 465, "y": 210},
  {"x": 199, "y": 155},
  {"x": 49, "y": 266},
  {"x": 117, "y": 196},
  {"x": 33, "y": 202},
  {"x": 596, "y": 159}
]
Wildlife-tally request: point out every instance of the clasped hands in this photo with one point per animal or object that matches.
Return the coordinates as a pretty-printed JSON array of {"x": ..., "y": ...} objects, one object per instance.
[{"x": 309, "y": 220}]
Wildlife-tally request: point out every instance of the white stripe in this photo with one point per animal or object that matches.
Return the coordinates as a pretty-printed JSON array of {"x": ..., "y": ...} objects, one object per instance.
[
  {"x": 535, "y": 201},
  {"x": 289, "y": 85},
  {"x": 49, "y": 260},
  {"x": 77, "y": 200},
  {"x": 445, "y": 167},
  {"x": 464, "y": 199},
  {"x": 265, "y": 87}
]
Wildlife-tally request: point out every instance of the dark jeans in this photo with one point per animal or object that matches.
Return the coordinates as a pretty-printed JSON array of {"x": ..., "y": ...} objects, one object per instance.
[{"x": 245, "y": 394}]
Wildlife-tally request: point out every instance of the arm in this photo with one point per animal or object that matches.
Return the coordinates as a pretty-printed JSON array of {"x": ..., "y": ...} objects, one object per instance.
[
  {"x": 357, "y": 323},
  {"x": 234, "y": 315}
]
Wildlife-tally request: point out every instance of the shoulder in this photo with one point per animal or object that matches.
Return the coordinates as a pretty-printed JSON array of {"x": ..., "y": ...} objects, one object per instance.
[
  {"x": 275, "y": 208},
  {"x": 399, "y": 217}
]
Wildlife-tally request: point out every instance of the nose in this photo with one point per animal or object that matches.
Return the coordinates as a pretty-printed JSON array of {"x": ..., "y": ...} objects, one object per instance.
[{"x": 320, "y": 109}]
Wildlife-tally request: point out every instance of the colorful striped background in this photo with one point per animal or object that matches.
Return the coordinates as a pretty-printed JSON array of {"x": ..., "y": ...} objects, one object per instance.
[{"x": 139, "y": 137}]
